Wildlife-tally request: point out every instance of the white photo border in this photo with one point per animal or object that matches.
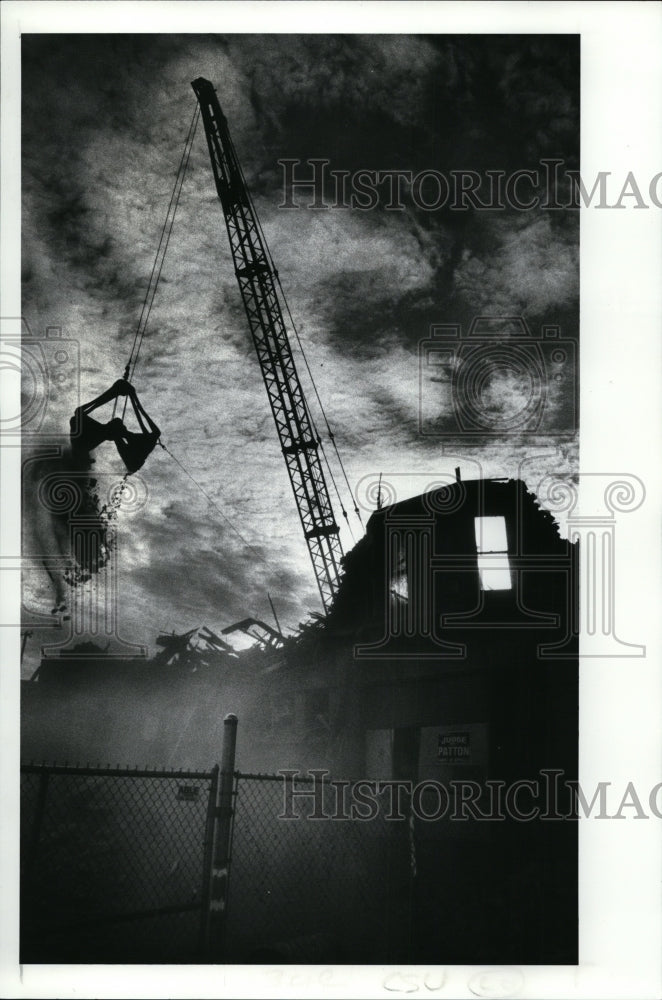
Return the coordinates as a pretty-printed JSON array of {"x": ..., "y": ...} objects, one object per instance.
[{"x": 621, "y": 311}]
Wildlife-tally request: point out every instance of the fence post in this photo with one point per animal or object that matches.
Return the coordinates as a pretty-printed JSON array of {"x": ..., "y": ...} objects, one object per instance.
[
  {"x": 207, "y": 862},
  {"x": 221, "y": 850}
]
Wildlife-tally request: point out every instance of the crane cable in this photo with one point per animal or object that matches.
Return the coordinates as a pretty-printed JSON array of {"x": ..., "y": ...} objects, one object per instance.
[
  {"x": 274, "y": 270},
  {"x": 332, "y": 437},
  {"x": 215, "y": 506},
  {"x": 315, "y": 390},
  {"x": 335, "y": 486},
  {"x": 148, "y": 302},
  {"x": 269, "y": 564},
  {"x": 159, "y": 257}
]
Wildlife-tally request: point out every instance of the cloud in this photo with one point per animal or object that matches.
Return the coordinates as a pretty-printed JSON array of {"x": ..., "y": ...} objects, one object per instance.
[
  {"x": 101, "y": 146},
  {"x": 531, "y": 269}
]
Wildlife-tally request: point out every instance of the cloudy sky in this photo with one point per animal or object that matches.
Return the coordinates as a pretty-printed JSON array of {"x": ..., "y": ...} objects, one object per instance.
[{"x": 104, "y": 122}]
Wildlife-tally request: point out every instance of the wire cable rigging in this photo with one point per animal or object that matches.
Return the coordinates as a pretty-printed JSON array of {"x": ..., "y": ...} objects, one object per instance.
[
  {"x": 303, "y": 354},
  {"x": 159, "y": 258},
  {"x": 332, "y": 437},
  {"x": 335, "y": 486},
  {"x": 215, "y": 505}
]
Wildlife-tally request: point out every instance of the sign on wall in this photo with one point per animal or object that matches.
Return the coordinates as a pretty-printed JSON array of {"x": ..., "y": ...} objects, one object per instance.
[{"x": 454, "y": 748}]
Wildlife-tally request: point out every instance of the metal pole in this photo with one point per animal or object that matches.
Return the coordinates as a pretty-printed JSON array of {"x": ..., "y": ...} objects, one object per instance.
[
  {"x": 273, "y": 611},
  {"x": 221, "y": 855},
  {"x": 207, "y": 863}
]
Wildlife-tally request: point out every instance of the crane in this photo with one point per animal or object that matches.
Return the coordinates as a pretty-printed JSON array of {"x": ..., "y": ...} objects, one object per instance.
[{"x": 257, "y": 279}]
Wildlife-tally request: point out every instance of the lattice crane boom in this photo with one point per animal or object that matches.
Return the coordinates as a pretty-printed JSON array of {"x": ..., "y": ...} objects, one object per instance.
[{"x": 257, "y": 283}]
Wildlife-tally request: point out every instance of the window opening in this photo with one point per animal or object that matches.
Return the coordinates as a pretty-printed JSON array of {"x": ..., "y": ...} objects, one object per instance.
[{"x": 492, "y": 549}]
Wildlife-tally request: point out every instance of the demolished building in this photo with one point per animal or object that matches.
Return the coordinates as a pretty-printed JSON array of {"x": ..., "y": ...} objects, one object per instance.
[{"x": 449, "y": 659}]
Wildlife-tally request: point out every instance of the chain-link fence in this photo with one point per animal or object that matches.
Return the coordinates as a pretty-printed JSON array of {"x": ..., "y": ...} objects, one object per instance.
[
  {"x": 113, "y": 864},
  {"x": 132, "y": 866},
  {"x": 319, "y": 886}
]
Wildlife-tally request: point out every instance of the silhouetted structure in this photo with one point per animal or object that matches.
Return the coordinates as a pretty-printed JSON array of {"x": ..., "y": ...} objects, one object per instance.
[
  {"x": 461, "y": 604},
  {"x": 449, "y": 656},
  {"x": 133, "y": 447}
]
